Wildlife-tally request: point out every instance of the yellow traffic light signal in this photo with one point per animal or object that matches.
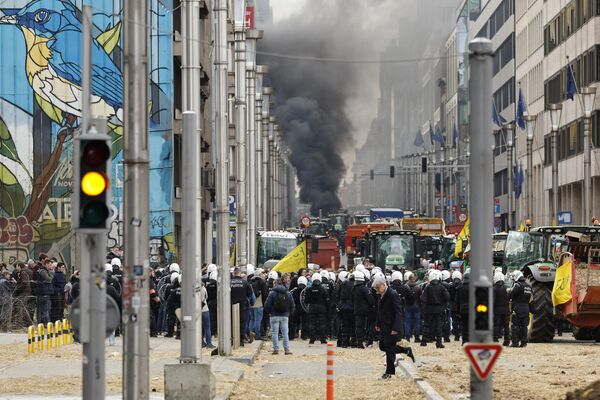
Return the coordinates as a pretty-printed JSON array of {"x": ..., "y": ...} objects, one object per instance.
[
  {"x": 91, "y": 182},
  {"x": 94, "y": 183},
  {"x": 482, "y": 308}
]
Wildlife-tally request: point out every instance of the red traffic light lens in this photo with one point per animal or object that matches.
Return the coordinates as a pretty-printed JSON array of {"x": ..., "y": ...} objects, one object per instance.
[{"x": 95, "y": 152}]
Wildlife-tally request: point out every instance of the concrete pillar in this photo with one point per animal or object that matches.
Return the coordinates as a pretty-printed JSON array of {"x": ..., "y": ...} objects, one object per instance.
[{"x": 193, "y": 381}]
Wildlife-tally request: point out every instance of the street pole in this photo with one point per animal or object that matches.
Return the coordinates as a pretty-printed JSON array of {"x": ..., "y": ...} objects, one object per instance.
[
  {"x": 443, "y": 187},
  {"x": 191, "y": 224},
  {"x": 530, "y": 130},
  {"x": 260, "y": 73},
  {"x": 222, "y": 177},
  {"x": 241, "y": 232},
  {"x": 136, "y": 303},
  {"x": 251, "y": 39},
  {"x": 266, "y": 127},
  {"x": 190, "y": 243},
  {"x": 509, "y": 135},
  {"x": 482, "y": 194},
  {"x": 93, "y": 252},
  {"x": 555, "y": 112},
  {"x": 589, "y": 95}
]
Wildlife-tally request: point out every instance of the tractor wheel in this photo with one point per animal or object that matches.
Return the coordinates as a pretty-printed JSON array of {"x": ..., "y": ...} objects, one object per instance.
[
  {"x": 542, "y": 326},
  {"x": 583, "y": 333}
]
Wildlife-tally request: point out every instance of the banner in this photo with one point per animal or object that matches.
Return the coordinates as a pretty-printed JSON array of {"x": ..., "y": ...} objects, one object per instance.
[
  {"x": 295, "y": 260},
  {"x": 561, "y": 292}
]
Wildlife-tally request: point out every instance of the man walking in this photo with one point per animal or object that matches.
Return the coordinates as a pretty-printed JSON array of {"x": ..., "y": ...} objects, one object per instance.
[
  {"x": 390, "y": 325},
  {"x": 279, "y": 305}
]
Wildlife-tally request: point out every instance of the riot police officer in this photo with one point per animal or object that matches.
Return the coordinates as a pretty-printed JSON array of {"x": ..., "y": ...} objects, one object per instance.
[
  {"x": 317, "y": 300},
  {"x": 520, "y": 296}
]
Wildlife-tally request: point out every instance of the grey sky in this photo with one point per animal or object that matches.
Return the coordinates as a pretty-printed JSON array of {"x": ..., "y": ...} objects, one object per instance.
[{"x": 284, "y": 8}]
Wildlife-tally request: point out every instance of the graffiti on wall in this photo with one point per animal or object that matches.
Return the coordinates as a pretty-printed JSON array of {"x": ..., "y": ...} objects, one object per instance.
[{"x": 40, "y": 112}]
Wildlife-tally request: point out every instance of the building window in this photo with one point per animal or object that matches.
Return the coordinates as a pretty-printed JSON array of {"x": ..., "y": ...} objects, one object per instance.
[
  {"x": 504, "y": 53},
  {"x": 505, "y": 96},
  {"x": 572, "y": 17},
  {"x": 548, "y": 149},
  {"x": 501, "y": 183}
]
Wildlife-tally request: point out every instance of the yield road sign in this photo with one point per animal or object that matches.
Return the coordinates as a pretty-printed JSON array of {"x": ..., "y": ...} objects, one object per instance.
[{"x": 483, "y": 356}]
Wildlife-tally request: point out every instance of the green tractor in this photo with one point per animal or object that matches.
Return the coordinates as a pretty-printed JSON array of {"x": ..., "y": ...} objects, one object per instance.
[{"x": 536, "y": 253}]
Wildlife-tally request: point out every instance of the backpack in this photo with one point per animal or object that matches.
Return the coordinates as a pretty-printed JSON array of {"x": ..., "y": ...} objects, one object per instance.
[{"x": 280, "y": 303}]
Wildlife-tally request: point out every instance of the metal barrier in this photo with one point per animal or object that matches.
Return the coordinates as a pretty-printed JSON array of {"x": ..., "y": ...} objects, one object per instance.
[{"x": 51, "y": 336}]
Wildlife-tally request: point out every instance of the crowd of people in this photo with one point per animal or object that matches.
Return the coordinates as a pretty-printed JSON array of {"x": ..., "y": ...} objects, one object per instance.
[
  {"x": 356, "y": 308},
  {"x": 37, "y": 289}
]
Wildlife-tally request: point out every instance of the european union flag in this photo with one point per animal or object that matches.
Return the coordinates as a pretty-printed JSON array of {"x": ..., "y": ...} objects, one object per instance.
[
  {"x": 518, "y": 180},
  {"x": 521, "y": 110},
  {"x": 454, "y": 136},
  {"x": 419, "y": 139},
  {"x": 438, "y": 136},
  {"x": 571, "y": 85},
  {"x": 431, "y": 134},
  {"x": 496, "y": 117}
]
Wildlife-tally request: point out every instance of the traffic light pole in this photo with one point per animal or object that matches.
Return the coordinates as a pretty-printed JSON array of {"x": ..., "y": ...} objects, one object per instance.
[
  {"x": 93, "y": 245},
  {"x": 93, "y": 280},
  {"x": 135, "y": 291},
  {"x": 482, "y": 195}
]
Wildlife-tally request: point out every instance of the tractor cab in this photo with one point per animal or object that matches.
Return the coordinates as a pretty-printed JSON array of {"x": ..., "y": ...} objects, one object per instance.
[{"x": 396, "y": 246}]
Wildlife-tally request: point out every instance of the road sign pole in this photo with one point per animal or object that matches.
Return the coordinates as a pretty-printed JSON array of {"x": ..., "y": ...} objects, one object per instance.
[{"x": 482, "y": 196}]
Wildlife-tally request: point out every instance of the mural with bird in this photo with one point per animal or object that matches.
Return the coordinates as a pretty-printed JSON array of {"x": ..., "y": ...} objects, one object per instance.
[{"x": 47, "y": 39}]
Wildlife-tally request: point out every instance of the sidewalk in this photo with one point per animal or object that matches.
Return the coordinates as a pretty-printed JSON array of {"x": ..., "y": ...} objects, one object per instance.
[{"x": 56, "y": 373}]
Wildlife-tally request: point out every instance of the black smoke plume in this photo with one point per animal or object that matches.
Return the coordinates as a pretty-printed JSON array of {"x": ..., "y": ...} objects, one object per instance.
[{"x": 310, "y": 96}]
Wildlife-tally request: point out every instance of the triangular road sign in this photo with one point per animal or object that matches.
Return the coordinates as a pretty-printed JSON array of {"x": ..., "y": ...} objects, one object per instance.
[{"x": 483, "y": 356}]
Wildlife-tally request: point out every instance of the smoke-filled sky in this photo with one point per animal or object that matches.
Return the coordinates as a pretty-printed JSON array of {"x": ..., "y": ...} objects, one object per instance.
[{"x": 325, "y": 108}]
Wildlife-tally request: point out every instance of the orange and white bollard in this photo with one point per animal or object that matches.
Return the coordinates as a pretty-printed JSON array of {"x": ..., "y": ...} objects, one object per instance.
[{"x": 329, "y": 371}]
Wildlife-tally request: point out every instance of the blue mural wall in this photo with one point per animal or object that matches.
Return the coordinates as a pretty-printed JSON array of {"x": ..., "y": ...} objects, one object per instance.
[{"x": 40, "y": 111}]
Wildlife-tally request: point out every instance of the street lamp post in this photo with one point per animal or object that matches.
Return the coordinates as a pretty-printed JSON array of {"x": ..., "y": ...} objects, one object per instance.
[
  {"x": 530, "y": 129},
  {"x": 442, "y": 184},
  {"x": 555, "y": 112},
  {"x": 589, "y": 95},
  {"x": 509, "y": 134}
]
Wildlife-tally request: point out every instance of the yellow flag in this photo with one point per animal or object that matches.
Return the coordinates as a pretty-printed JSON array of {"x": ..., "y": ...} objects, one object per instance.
[
  {"x": 522, "y": 228},
  {"x": 561, "y": 292},
  {"x": 232, "y": 256},
  {"x": 295, "y": 260},
  {"x": 464, "y": 234}
]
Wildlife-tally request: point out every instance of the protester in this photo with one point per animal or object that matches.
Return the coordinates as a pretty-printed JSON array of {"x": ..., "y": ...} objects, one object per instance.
[
  {"x": 279, "y": 305},
  {"x": 390, "y": 326}
]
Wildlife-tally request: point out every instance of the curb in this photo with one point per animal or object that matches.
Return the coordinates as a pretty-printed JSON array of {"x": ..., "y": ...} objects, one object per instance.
[
  {"x": 411, "y": 372},
  {"x": 247, "y": 360}
]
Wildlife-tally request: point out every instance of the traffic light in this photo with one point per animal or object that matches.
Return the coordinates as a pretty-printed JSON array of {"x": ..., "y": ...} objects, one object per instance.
[
  {"x": 482, "y": 309},
  {"x": 423, "y": 164},
  {"x": 372, "y": 175},
  {"x": 91, "y": 182},
  {"x": 392, "y": 171}
]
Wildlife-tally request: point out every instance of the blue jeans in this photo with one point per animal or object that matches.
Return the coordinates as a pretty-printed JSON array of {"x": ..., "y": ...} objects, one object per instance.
[
  {"x": 43, "y": 309},
  {"x": 276, "y": 324},
  {"x": 412, "y": 320},
  {"x": 206, "y": 328},
  {"x": 256, "y": 316}
]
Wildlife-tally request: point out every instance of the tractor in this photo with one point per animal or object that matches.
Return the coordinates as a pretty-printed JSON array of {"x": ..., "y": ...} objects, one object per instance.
[{"x": 536, "y": 253}]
